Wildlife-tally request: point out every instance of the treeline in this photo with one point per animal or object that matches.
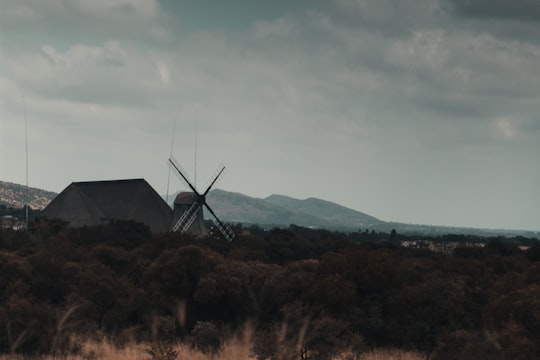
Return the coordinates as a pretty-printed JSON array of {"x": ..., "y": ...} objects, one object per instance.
[{"x": 307, "y": 293}]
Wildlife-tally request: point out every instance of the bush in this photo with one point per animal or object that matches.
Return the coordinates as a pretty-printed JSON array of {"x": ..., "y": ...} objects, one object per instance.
[
  {"x": 205, "y": 337},
  {"x": 161, "y": 350}
]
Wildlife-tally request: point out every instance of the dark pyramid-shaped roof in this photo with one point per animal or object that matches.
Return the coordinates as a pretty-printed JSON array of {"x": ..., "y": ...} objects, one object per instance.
[{"x": 98, "y": 202}]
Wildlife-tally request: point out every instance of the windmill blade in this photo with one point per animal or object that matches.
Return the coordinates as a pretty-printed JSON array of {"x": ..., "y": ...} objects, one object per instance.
[
  {"x": 187, "y": 218},
  {"x": 215, "y": 179},
  {"x": 173, "y": 164},
  {"x": 225, "y": 229}
]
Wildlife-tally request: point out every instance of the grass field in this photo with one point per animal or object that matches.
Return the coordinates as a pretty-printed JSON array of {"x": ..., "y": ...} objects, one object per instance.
[{"x": 233, "y": 350}]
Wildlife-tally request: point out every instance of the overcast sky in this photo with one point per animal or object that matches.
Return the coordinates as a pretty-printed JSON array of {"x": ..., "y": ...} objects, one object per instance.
[{"x": 417, "y": 111}]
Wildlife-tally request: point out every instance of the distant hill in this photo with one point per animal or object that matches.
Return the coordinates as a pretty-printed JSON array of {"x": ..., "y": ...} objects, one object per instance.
[
  {"x": 327, "y": 211},
  {"x": 280, "y": 210},
  {"x": 14, "y": 195},
  {"x": 284, "y": 210},
  {"x": 236, "y": 207}
]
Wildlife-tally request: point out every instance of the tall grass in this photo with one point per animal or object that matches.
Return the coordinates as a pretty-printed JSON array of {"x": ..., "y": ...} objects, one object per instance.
[
  {"x": 67, "y": 346},
  {"x": 392, "y": 354},
  {"x": 235, "y": 349}
]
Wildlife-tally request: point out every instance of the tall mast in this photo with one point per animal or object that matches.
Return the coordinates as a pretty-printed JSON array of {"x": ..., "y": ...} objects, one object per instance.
[
  {"x": 195, "y": 160},
  {"x": 26, "y": 144},
  {"x": 170, "y": 154}
]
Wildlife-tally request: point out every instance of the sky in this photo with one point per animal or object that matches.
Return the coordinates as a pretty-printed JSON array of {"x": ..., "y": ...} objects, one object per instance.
[{"x": 414, "y": 111}]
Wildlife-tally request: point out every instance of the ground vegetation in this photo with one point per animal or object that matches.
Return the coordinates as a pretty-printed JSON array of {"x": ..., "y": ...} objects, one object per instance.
[{"x": 300, "y": 293}]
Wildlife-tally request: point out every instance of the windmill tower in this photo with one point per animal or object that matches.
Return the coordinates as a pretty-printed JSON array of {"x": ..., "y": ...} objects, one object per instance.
[{"x": 188, "y": 207}]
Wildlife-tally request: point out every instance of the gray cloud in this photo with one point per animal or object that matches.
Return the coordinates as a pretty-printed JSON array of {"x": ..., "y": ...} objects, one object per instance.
[
  {"x": 517, "y": 21},
  {"x": 390, "y": 17},
  {"x": 521, "y": 10}
]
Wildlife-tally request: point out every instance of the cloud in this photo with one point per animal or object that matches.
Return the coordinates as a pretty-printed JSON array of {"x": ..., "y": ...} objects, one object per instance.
[
  {"x": 389, "y": 17},
  {"x": 506, "y": 128},
  {"x": 517, "y": 21},
  {"x": 123, "y": 11},
  {"x": 304, "y": 67},
  {"x": 87, "y": 22},
  {"x": 108, "y": 74},
  {"x": 522, "y": 10}
]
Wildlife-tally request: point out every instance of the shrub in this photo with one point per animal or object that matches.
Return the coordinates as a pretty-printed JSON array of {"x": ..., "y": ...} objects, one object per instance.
[
  {"x": 161, "y": 350},
  {"x": 205, "y": 337}
]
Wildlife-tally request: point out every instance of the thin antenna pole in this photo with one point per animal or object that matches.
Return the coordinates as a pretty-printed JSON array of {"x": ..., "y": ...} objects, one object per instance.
[
  {"x": 195, "y": 179},
  {"x": 170, "y": 155},
  {"x": 26, "y": 144}
]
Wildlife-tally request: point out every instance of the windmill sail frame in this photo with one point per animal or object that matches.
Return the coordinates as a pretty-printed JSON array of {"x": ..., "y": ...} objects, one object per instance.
[{"x": 188, "y": 217}]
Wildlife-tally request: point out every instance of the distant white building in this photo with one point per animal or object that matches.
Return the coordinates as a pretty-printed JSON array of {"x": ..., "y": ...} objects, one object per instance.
[{"x": 11, "y": 222}]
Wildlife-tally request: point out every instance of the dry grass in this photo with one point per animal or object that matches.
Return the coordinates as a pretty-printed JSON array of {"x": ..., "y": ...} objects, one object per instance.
[
  {"x": 237, "y": 349},
  {"x": 232, "y": 350},
  {"x": 387, "y": 354}
]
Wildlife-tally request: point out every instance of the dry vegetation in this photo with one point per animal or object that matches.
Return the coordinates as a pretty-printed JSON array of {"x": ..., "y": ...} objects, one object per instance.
[
  {"x": 236, "y": 349},
  {"x": 117, "y": 291}
]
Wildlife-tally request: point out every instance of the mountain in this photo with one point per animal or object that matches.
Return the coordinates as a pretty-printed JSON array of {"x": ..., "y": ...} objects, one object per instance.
[
  {"x": 329, "y": 211},
  {"x": 236, "y": 207},
  {"x": 14, "y": 195},
  {"x": 312, "y": 212},
  {"x": 284, "y": 210}
]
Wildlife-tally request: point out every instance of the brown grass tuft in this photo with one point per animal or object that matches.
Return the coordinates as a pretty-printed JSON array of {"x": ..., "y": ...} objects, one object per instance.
[{"x": 392, "y": 354}]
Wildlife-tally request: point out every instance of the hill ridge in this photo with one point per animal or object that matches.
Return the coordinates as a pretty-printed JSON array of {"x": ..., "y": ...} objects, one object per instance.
[
  {"x": 14, "y": 195},
  {"x": 329, "y": 211}
]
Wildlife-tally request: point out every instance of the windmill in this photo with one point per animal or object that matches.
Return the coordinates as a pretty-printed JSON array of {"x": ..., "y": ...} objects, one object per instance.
[{"x": 193, "y": 203}]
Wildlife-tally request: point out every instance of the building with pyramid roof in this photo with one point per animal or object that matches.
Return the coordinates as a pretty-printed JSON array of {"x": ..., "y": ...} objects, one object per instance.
[{"x": 99, "y": 202}]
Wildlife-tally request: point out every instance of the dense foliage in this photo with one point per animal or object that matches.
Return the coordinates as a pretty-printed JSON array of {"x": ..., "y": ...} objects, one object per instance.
[{"x": 312, "y": 292}]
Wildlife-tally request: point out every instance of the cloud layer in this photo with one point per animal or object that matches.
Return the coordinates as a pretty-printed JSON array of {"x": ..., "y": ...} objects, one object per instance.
[{"x": 416, "y": 111}]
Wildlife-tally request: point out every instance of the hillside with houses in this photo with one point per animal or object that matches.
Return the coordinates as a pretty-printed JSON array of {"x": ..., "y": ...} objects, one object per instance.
[{"x": 16, "y": 196}]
